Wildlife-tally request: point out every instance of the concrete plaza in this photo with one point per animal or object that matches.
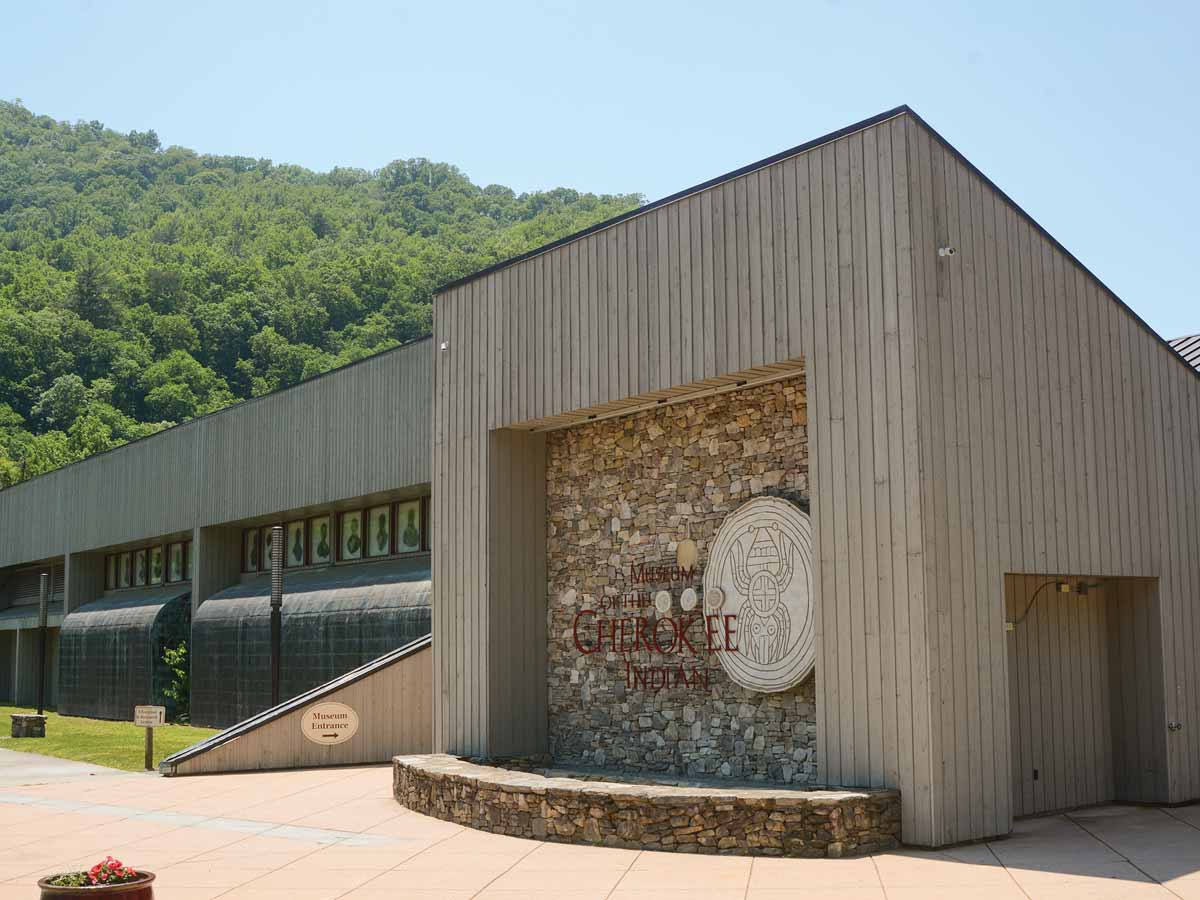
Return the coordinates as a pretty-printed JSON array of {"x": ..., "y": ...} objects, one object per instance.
[{"x": 338, "y": 833}]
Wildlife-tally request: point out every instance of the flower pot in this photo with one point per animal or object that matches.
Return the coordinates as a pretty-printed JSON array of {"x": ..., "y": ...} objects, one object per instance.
[{"x": 140, "y": 889}]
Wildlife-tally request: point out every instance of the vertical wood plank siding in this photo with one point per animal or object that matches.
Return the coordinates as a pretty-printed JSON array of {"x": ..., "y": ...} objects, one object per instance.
[
  {"x": 1057, "y": 435},
  {"x": 345, "y": 434},
  {"x": 1059, "y": 669},
  {"x": 810, "y": 255}
]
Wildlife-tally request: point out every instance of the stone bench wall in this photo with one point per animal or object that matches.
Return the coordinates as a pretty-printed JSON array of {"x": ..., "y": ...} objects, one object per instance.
[{"x": 752, "y": 821}]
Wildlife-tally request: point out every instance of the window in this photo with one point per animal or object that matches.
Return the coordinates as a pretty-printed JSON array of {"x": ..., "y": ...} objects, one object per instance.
[
  {"x": 379, "y": 531},
  {"x": 296, "y": 554},
  {"x": 265, "y": 540},
  {"x": 350, "y": 533},
  {"x": 139, "y": 568},
  {"x": 175, "y": 562},
  {"x": 320, "y": 530},
  {"x": 408, "y": 526},
  {"x": 156, "y": 564},
  {"x": 250, "y": 550}
]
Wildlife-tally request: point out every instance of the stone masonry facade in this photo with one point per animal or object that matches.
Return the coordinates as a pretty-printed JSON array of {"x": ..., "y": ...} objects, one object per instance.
[
  {"x": 756, "y": 822},
  {"x": 623, "y": 493}
]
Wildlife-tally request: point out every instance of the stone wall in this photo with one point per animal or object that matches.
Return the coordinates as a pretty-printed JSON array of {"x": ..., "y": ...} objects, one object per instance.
[
  {"x": 757, "y": 822},
  {"x": 623, "y": 493}
]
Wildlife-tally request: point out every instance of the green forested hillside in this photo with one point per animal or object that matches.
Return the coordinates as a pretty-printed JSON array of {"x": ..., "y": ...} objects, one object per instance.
[{"x": 142, "y": 286}]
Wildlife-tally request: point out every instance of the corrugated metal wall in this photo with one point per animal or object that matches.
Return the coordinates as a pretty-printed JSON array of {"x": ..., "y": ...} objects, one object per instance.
[
  {"x": 1057, "y": 435},
  {"x": 363, "y": 429}
]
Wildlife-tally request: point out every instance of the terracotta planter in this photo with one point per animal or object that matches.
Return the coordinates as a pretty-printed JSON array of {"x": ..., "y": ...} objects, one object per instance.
[{"x": 142, "y": 889}]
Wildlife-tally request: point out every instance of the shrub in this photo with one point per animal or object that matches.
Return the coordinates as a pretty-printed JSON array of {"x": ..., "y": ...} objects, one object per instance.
[{"x": 176, "y": 659}]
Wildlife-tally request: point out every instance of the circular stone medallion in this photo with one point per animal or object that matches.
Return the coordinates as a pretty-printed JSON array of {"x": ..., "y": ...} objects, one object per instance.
[
  {"x": 762, "y": 564},
  {"x": 662, "y": 602}
]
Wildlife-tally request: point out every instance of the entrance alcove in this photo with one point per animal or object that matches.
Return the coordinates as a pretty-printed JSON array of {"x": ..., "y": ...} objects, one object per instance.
[{"x": 1086, "y": 705}]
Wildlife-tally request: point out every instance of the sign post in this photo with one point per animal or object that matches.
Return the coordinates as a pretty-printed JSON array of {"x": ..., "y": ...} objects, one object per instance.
[{"x": 149, "y": 717}]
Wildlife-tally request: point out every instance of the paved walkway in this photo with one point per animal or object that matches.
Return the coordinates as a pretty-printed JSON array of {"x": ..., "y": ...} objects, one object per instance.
[
  {"x": 33, "y": 768},
  {"x": 337, "y": 833}
]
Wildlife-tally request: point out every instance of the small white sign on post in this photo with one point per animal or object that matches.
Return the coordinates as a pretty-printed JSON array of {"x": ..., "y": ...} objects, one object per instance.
[{"x": 149, "y": 717}]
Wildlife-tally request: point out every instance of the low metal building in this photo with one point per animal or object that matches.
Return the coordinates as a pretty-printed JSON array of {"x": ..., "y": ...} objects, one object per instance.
[{"x": 184, "y": 516}]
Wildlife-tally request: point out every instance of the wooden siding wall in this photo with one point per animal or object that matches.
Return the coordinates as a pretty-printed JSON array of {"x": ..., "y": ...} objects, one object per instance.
[
  {"x": 517, "y": 558},
  {"x": 1059, "y": 675},
  {"x": 1057, "y": 435},
  {"x": 394, "y": 716},
  {"x": 345, "y": 434},
  {"x": 1136, "y": 690},
  {"x": 807, "y": 256}
]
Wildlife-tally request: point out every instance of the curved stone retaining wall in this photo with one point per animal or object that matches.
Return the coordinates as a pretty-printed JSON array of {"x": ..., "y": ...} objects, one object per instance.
[{"x": 754, "y": 821}]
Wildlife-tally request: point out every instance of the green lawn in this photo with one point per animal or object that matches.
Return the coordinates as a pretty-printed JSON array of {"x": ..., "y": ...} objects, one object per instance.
[{"x": 120, "y": 745}]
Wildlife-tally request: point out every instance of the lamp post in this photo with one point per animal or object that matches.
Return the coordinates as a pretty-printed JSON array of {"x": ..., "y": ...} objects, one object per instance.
[
  {"x": 43, "y": 615},
  {"x": 276, "y": 608}
]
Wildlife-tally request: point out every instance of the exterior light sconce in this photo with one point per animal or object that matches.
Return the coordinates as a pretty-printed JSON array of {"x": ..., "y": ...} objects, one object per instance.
[
  {"x": 444, "y": 346},
  {"x": 947, "y": 251}
]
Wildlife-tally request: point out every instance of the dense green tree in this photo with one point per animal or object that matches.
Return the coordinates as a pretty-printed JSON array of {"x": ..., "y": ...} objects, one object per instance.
[
  {"x": 178, "y": 387},
  {"x": 90, "y": 296},
  {"x": 62, "y": 403},
  {"x": 141, "y": 285}
]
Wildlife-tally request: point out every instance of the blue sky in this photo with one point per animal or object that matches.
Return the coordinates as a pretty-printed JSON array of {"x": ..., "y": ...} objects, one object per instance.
[{"x": 1084, "y": 113}]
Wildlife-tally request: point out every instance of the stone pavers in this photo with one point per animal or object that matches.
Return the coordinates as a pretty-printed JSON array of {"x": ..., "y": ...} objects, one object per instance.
[
  {"x": 761, "y": 820},
  {"x": 1107, "y": 852}
]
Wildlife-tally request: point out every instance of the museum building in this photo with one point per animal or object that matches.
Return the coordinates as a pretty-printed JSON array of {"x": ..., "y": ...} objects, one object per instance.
[{"x": 836, "y": 470}]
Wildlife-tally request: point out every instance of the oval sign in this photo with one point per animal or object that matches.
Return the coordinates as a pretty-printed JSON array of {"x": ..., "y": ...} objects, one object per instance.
[
  {"x": 761, "y": 564},
  {"x": 329, "y": 723}
]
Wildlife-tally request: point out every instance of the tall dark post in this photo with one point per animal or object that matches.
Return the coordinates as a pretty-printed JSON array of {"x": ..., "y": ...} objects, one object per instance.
[
  {"x": 276, "y": 608},
  {"x": 43, "y": 614}
]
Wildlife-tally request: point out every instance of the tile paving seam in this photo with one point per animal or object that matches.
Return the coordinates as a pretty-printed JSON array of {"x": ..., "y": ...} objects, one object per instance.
[
  {"x": 212, "y": 823},
  {"x": 1152, "y": 880},
  {"x": 379, "y": 875}
]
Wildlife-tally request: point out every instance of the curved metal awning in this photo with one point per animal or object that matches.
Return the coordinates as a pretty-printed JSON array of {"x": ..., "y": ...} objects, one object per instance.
[
  {"x": 125, "y": 609},
  {"x": 390, "y": 584},
  {"x": 334, "y": 620},
  {"x": 110, "y": 651},
  {"x": 26, "y": 616}
]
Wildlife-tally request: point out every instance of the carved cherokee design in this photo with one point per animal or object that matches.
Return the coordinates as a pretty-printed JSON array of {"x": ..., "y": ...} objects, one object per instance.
[
  {"x": 760, "y": 574},
  {"x": 761, "y": 563}
]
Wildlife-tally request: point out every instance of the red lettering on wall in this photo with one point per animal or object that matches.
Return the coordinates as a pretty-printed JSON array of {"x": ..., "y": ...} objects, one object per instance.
[{"x": 575, "y": 630}]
